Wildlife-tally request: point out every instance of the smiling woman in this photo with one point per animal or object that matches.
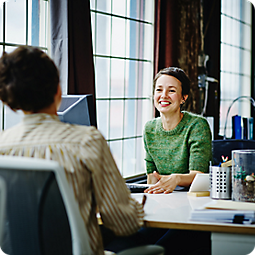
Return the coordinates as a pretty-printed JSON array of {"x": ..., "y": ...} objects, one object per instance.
[{"x": 178, "y": 143}]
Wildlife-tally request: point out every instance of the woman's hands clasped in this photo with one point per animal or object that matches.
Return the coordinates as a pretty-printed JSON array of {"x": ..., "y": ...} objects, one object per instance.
[{"x": 165, "y": 183}]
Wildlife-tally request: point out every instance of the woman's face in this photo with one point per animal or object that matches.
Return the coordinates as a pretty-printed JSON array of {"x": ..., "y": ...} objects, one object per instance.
[{"x": 168, "y": 94}]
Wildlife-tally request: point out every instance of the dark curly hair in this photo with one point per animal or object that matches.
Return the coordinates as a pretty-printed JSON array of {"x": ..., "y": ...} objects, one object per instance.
[
  {"x": 179, "y": 74},
  {"x": 28, "y": 79}
]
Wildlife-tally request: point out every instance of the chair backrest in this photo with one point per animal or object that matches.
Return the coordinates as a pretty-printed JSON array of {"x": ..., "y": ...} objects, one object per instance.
[
  {"x": 2, "y": 207},
  {"x": 42, "y": 215},
  {"x": 224, "y": 147}
]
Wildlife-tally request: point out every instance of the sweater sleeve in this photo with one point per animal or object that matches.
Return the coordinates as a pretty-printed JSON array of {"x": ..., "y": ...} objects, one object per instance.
[
  {"x": 150, "y": 165},
  {"x": 200, "y": 144}
]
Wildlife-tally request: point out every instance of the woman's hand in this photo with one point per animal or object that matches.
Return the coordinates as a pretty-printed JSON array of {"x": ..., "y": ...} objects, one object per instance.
[{"x": 166, "y": 183}]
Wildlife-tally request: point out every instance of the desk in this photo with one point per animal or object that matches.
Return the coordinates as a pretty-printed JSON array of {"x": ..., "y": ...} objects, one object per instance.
[{"x": 173, "y": 211}]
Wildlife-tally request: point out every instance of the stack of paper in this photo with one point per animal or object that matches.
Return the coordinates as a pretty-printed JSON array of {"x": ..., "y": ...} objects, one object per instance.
[
  {"x": 225, "y": 211},
  {"x": 224, "y": 216}
]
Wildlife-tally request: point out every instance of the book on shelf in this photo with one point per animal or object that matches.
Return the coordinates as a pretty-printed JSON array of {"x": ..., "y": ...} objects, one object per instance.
[
  {"x": 248, "y": 128},
  {"x": 245, "y": 128},
  {"x": 236, "y": 127}
]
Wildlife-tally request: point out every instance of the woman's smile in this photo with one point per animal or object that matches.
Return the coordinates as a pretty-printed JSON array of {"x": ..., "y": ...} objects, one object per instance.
[{"x": 168, "y": 92}]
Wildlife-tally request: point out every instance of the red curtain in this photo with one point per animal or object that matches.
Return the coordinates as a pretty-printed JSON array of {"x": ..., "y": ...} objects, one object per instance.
[{"x": 178, "y": 41}]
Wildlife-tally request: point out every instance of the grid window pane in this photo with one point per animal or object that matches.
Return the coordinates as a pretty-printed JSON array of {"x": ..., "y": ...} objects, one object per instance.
[
  {"x": 230, "y": 26},
  {"x": 1, "y": 116},
  {"x": 246, "y": 10},
  {"x": 123, "y": 55},
  {"x": 16, "y": 22},
  {"x": 230, "y": 80},
  {"x": 131, "y": 78},
  {"x": 132, "y": 33},
  {"x": 147, "y": 78},
  {"x": 129, "y": 157},
  {"x": 93, "y": 28},
  {"x": 117, "y": 77},
  {"x": 37, "y": 23},
  {"x": 231, "y": 8},
  {"x": 148, "y": 11},
  {"x": 134, "y": 8},
  {"x": 119, "y": 7},
  {"x": 148, "y": 34},
  {"x": 246, "y": 38},
  {"x": 116, "y": 150},
  {"x": 140, "y": 155},
  {"x": 92, "y": 4},
  {"x": 103, "y": 117},
  {"x": 116, "y": 119},
  {"x": 26, "y": 23},
  {"x": 235, "y": 61},
  {"x": 1, "y": 22},
  {"x": 118, "y": 41},
  {"x": 102, "y": 74},
  {"x": 11, "y": 118},
  {"x": 103, "y": 34},
  {"x": 130, "y": 118},
  {"x": 103, "y": 5}
]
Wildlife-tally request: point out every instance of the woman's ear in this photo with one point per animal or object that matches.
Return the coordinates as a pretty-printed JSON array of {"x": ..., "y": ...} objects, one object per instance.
[{"x": 184, "y": 98}]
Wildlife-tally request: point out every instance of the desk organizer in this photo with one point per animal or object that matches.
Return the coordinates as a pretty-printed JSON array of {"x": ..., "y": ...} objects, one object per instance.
[
  {"x": 243, "y": 179},
  {"x": 220, "y": 182}
]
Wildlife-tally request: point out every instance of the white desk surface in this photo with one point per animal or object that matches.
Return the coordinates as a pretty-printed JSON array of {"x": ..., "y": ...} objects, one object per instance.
[{"x": 173, "y": 211}]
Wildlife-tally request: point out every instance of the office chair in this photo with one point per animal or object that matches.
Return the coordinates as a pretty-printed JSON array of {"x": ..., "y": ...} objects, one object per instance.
[
  {"x": 225, "y": 147},
  {"x": 2, "y": 207},
  {"x": 42, "y": 215}
]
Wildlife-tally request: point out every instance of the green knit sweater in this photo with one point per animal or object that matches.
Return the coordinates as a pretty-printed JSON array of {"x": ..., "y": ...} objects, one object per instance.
[{"x": 187, "y": 147}]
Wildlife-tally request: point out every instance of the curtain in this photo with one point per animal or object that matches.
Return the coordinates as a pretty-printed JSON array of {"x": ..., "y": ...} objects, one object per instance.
[
  {"x": 59, "y": 40},
  {"x": 72, "y": 46},
  {"x": 178, "y": 41}
]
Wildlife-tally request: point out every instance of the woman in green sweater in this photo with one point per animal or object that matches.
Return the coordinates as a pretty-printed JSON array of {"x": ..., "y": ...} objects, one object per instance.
[{"x": 178, "y": 143}]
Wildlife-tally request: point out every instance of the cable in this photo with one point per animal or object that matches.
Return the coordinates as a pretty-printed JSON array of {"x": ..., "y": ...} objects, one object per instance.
[
  {"x": 206, "y": 97},
  {"x": 241, "y": 97}
]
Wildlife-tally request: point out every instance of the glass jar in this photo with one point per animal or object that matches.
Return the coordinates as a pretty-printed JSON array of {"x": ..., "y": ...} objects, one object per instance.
[{"x": 243, "y": 179}]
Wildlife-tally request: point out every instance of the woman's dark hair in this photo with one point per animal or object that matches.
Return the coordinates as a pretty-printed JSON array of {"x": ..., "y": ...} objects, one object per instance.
[
  {"x": 179, "y": 74},
  {"x": 28, "y": 79}
]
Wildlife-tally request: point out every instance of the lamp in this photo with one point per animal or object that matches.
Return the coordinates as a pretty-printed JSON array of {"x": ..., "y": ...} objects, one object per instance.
[{"x": 238, "y": 98}]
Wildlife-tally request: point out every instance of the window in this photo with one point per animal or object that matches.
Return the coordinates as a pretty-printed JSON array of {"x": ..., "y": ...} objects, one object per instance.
[
  {"x": 235, "y": 60},
  {"x": 122, "y": 32},
  {"x": 22, "y": 22}
]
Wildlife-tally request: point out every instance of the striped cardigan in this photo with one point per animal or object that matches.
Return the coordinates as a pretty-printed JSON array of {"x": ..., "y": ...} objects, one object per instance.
[{"x": 89, "y": 167}]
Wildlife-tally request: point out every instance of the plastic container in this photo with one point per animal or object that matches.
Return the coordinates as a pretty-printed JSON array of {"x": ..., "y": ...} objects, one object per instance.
[
  {"x": 243, "y": 181},
  {"x": 220, "y": 182}
]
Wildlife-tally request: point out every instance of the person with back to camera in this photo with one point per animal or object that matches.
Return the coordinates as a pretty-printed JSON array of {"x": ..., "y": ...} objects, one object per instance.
[
  {"x": 29, "y": 81},
  {"x": 178, "y": 143}
]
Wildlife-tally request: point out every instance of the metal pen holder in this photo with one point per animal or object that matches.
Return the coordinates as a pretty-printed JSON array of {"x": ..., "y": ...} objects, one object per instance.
[{"x": 220, "y": 182}]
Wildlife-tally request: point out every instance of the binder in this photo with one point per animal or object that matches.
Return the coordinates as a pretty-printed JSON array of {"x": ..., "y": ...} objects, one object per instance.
[
  {"x": 236, "y": 127},
  {"x": 250, "y": 128},
  {"x": 245, "y": 128}
]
